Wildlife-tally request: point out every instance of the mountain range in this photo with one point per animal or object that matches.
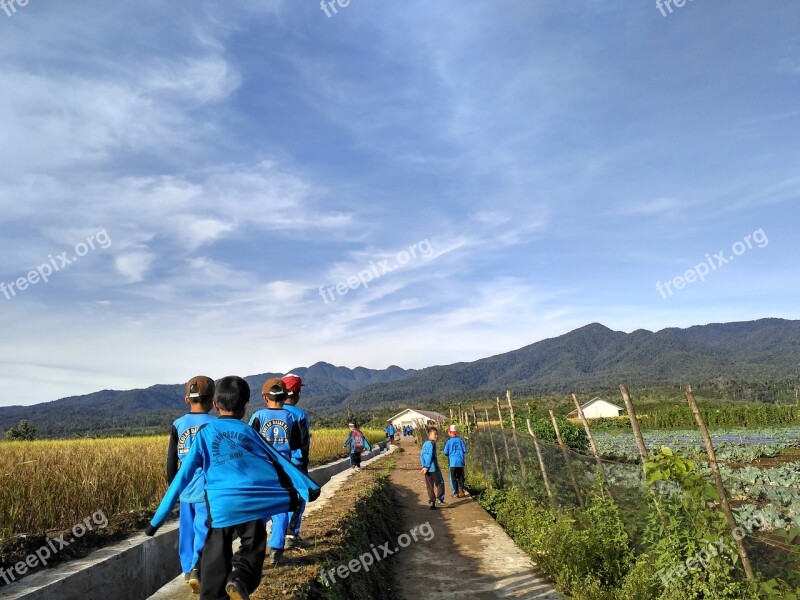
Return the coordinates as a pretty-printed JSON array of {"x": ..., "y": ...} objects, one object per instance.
[{"x": 591, "y": 357}]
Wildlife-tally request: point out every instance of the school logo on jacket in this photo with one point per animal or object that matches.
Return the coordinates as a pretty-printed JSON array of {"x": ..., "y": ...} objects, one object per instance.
[
  {"x": 230, "y": 445},
  {"x": 275, "y": 431},
  {"x": 185, "y": 441}
]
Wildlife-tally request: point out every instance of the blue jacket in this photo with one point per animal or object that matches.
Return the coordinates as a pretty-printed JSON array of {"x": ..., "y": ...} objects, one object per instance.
[
  {"x": 246, "y": 479},
  {"x": 455, "y": 450},
  {"x": 180, "y": 440},
  {"x": 279, "y": 428},
  {"x": 427, "y": 457},
  {"x": 300, "y": 456},
  {"x": 367, "y": 446},
  {"x": 390, "y": 430}
]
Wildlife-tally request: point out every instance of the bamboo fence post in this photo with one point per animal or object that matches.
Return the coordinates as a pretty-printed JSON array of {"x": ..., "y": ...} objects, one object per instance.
[
  {"x": 589, "y": 435},
  {"x": 637, "y": 433},
  {"x": 567, "y": 460},
  {"x": 474, "y": 417},
  {"x": 494, "y": 450},
  {"x": 721, "y": 491},
  {"x": 502, "y": 427},
  {"x": 541, "y": 465},
  {"x": 522, "y": 469},
  {"x": 451, "y": 414}
]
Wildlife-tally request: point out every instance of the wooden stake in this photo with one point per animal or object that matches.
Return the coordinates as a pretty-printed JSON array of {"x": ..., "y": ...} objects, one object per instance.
[
  {"x": 721, "y": 491},
  {"x": 567, "y": 460},
  {"x": 634, "y": 424},
  {"x": 589, "y": 435},
  {"x": 494, "y": 450},
  {"x": 502, "y": 434},
  {"x": 514, "y": 434},
  {"x": 511, "y": 409},
  {"x": 541, "y": 465}
]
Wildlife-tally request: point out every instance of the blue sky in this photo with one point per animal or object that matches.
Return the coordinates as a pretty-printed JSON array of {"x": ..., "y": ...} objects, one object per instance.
[{"x": 549, "y": 163}]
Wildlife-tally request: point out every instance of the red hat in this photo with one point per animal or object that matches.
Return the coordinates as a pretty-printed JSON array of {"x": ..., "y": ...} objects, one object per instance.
[
  {"x": 293, "y": 384},
  {"x": 452, "y": 430}
]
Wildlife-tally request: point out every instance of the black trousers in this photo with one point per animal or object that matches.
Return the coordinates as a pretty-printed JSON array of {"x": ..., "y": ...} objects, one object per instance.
[
  {"x": 218, "y": 564},
  {"x": 457, "y": 477},
  {"x": 355, "y": 459},
  {"x": 434, "y": 480}
]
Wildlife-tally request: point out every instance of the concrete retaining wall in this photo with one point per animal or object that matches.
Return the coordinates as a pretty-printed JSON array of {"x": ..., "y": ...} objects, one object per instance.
[{"x": 130, "y": 570}]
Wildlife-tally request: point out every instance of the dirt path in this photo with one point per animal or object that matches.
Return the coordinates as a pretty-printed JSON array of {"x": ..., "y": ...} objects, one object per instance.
[{"x": 469, "y": 555}]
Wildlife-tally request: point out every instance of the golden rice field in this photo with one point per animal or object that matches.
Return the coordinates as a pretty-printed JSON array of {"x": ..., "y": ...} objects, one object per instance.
[{"x": 53, "y": 484}]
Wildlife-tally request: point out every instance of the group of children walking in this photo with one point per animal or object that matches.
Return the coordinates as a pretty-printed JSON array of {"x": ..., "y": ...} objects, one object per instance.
[
  {"x": 233, "y": 479},
  {"x": 455, "y": 450}
]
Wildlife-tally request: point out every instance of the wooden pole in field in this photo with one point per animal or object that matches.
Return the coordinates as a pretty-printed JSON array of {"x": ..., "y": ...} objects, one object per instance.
[
  {"x": 543, "y": 468},
  {"x": 451, "y": 414},
  {"x": 514, "y": 434},
  {"x": 502, "y": 433},
  {"x": 474, "y": 417},
  {"x": 494, "y": 450},
  {"x": 510, "y": 409},
  {"x": 721, "y": 491},
  {"x": 637, "y": 433},
  {"x": 589, "y": 435},
  {"x": 567, "y": 460}
]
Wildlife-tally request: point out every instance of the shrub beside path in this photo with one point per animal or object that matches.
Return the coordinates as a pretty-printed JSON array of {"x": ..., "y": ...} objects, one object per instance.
[{"x": 469, "y": 556}]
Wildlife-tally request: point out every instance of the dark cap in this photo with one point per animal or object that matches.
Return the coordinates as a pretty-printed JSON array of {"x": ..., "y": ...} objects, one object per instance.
[
  {"x": 274, "y": 389},
  {"x": 200, "y": 387}
]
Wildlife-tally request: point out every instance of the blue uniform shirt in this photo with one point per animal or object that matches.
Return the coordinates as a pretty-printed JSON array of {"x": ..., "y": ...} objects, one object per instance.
[
  {"x": 245, "y": 477},
  {"x": 279, "y": 428},
  {"x": 183, "y": 433},
  {"x": 454, "y": 450},
  {"x": 427, "y": 457},
  {"x": 300, "y": 457}
]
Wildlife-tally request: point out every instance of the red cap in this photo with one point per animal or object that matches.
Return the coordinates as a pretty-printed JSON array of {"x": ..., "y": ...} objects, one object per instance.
[
  {"x": 293, "y": 384},
  {"x": 452, "y": 430}
]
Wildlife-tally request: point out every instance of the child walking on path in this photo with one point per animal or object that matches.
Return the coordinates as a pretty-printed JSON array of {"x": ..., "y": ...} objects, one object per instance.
[
  {"x": 281, "y": 430},
  {"x": 430, "y": 468},
  {"x": 300, "y": 457},
  {"x": 193, "y": 528},
  {"x": 455, "y": 450},
  {"x": 245, "y": 480},
  {"x": 357, "y": 443}
]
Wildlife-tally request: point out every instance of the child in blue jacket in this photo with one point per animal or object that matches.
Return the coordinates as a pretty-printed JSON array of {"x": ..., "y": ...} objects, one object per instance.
[
  {"x": 193, "y": 529},
  {"x": 455, "y": 450},
  {"x": 245, "y": 480},
  {"x": 430, "y": 468},
  {"x": 281, "y": 430},
  {"x": 357, "y": 442}
]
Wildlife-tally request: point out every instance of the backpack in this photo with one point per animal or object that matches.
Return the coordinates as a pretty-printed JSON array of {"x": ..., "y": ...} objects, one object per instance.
[{"x": 357, "y": 441}]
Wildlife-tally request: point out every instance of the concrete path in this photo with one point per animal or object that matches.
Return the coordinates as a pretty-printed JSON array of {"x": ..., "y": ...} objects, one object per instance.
[
  {"x": 469, "y": 556},
  {"x": 177, "y": 588}
]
